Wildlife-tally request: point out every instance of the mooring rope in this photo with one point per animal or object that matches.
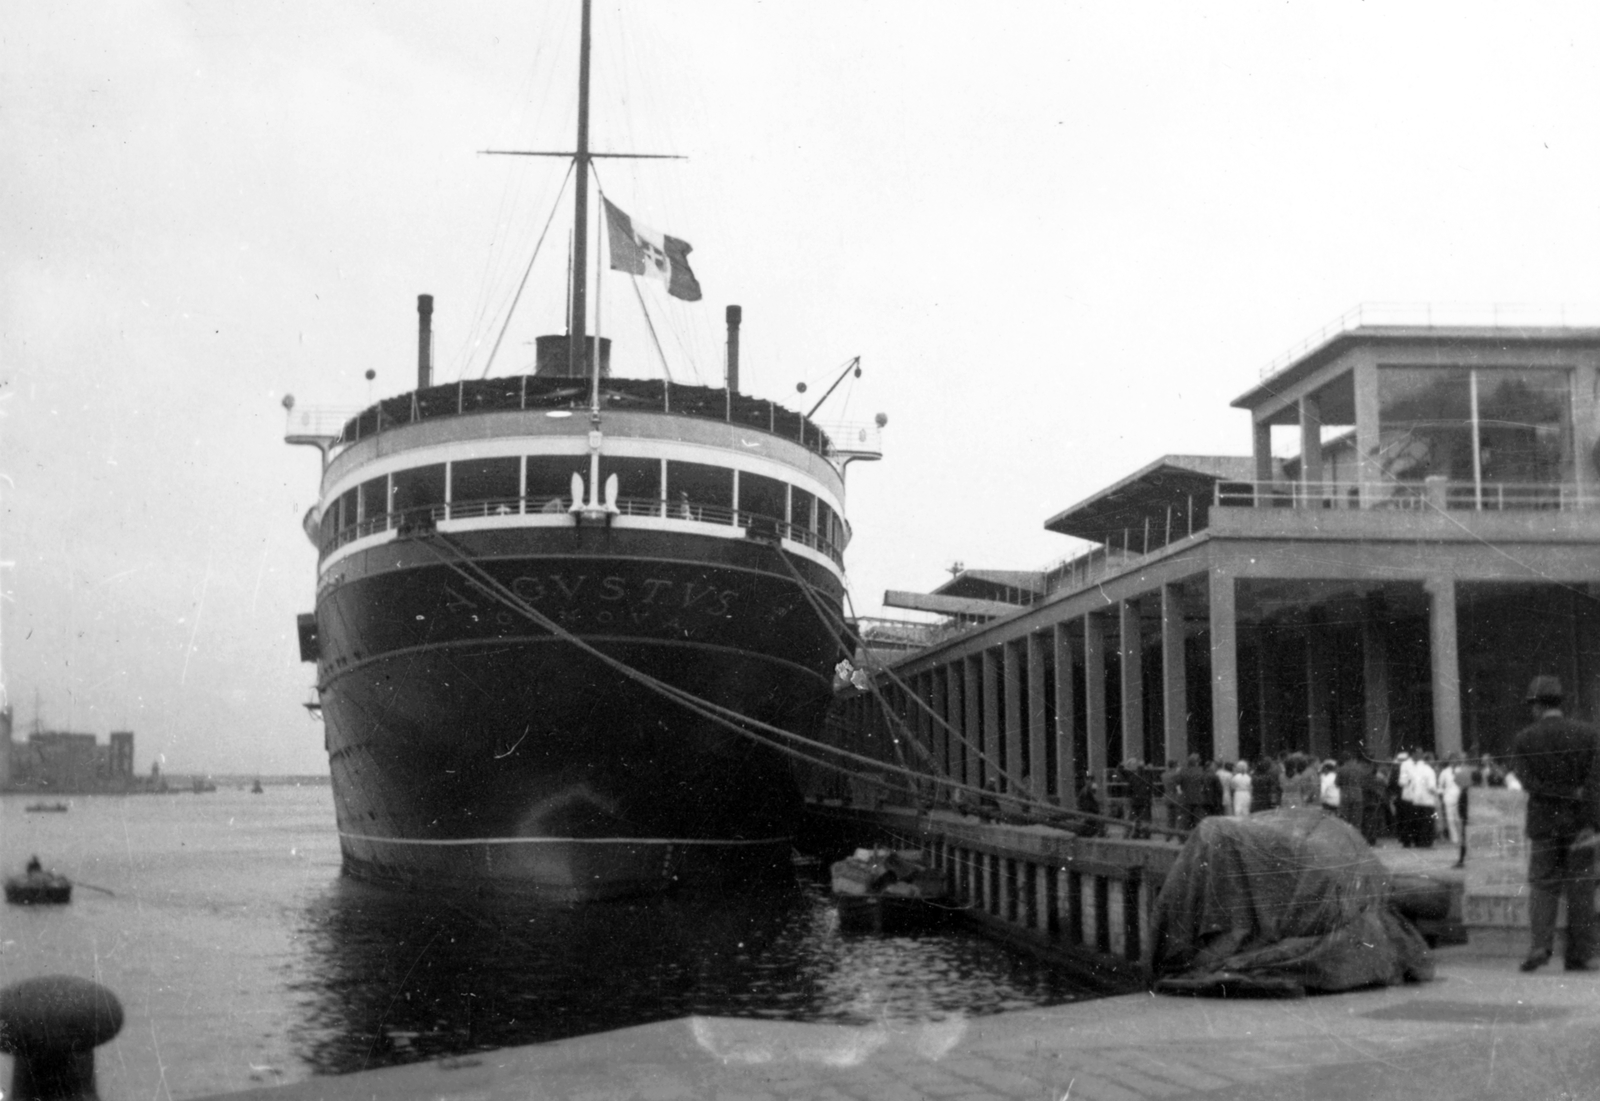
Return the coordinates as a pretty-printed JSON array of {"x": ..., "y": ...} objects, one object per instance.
[{"x": 482, "y": 580}]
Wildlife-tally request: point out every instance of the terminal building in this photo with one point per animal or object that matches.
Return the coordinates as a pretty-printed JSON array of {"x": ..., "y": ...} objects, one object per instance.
[{"x": 1413, "y": 535}]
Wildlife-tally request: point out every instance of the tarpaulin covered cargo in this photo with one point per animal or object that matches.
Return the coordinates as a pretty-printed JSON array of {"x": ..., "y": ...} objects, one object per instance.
[{"x": 1280, "y": 903}]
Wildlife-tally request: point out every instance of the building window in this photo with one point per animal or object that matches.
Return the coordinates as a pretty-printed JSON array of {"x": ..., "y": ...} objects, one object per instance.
[{"x": 1499, "y": 436}]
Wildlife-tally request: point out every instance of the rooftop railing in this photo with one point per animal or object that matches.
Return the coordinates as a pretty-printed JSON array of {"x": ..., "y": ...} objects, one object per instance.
[
  {"x": 1435, "y": 494},
  {"x": 1518, "y": 315}
]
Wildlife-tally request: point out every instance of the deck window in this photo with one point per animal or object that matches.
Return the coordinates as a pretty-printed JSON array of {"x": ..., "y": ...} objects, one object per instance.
[
  {"x": 483, "y": 487},
  {"x": 374, "y": 504},
  {"x": 349, "y": 508},
  {"x": 418, "y": 490},
  {"x": 638, "y": 480},
  {"x": 802, "y": 510},
  {"x": 328, "y": 530},
  {"x": 708, "y": 490},
  {"x": 550, "y": 480},
  {"x": 826, "y": 519},
  {"x": 761, "y": 496}
]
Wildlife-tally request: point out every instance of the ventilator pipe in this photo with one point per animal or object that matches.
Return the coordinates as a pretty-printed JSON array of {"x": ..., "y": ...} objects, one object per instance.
[
  {"x": 424, "y": 341},
  {"x": 735, "y": 315}
]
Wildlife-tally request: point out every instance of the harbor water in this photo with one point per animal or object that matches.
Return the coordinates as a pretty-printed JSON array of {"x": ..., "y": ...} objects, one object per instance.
[{"x": 244, "y": 958}]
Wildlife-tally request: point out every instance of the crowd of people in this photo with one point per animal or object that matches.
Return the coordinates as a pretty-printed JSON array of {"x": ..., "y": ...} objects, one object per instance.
[{"x": 1415, "y": 798}]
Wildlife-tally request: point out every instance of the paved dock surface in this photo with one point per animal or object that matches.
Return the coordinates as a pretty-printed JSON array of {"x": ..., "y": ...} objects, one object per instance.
[{"x": 1480, "y": 1030}]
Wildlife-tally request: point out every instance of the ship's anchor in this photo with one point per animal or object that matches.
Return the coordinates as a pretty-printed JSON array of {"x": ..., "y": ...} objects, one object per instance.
[{"x": 592, "y": 511}]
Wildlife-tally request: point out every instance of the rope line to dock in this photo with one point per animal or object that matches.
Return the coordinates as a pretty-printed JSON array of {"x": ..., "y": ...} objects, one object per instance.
[
  {"x": 838, "y": 626},
  {"x": 480, "y": 578}
]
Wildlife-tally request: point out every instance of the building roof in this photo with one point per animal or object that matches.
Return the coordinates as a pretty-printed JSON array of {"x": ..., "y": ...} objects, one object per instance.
[
  {"x": 1167, "y": 488},
  {"x": 1303, "y": 361},
  {"x": 992, "y": 584}
]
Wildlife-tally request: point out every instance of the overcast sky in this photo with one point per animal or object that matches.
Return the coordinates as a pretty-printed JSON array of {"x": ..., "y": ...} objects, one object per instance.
[{"x": 1061, "y": 237}]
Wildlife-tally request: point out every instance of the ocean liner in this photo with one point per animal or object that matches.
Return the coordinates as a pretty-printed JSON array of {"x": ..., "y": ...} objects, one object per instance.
[{"x": 548, "y": 605}]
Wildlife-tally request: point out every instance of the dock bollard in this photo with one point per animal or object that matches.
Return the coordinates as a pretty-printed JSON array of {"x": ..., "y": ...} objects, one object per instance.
[{"x": 50, "y": 1027}]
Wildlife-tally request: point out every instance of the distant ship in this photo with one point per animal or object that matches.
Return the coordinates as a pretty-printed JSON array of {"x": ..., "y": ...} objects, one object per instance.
[{"x": 539, "y": 600}]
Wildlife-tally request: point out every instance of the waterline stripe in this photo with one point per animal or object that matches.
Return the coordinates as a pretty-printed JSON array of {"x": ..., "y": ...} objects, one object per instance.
[{"x": 561, "y": 840}]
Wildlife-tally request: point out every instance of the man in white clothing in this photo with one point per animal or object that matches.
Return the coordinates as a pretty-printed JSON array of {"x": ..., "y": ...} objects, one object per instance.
[{"x": 1419, "y": 788}]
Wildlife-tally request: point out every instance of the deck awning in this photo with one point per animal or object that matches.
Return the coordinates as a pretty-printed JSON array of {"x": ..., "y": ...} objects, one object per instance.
[{"x": 1010, "y": 586}]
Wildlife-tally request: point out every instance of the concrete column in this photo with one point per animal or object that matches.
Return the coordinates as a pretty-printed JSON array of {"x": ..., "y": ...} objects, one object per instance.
[
  {"x": 1375, "y": 681},
  {"x": 1130, "y": 647},
  {"x": 1011, "y": 676},
  {"x": 1446, "y": 666},
  {"x": 1319, "y": 686},
  {"x": 1036, "y": 716},
  {"x": 1117, "y": 916},
  {"x": 1094, "y": 698},
  {"x": 1585, "y": 414},
  {"x": 976, "y": 770},
  {"x": 990, "y": 669},
  {"x": 956, "y": 716},
  {"x": 1311, "y": 447},
  {"x": 1262, "y": 451},
  {"x": 1174, "y": 683},
  {"x": 1066, "y": 721},
  {"x": 1224, "y": 668},
  {"x": 1088, "y": 893},
  {"x": 1369, "y": 441},
  {"x": 1271, "y": 735}
]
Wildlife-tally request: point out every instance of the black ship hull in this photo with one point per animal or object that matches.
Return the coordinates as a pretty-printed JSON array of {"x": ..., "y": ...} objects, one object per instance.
[{"x": 471, "y": 746}]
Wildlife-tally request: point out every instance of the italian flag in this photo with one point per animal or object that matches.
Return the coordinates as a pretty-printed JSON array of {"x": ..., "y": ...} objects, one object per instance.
[{"x": 639, "y": 250}]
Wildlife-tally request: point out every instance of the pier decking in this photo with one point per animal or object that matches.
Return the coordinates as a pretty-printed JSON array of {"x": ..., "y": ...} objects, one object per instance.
[{"x": 1479, "y": 1030}]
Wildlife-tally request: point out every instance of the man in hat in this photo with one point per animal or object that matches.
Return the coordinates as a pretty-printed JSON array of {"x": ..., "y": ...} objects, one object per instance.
[{"x": 1558, "y": 762}]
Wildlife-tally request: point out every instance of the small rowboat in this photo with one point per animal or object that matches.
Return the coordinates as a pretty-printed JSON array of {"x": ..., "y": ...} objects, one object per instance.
[
  {"x": 38, "y": 889},
  {"x": 883, "y": 891}
]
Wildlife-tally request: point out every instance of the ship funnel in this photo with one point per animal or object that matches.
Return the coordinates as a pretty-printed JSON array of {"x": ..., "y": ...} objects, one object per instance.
[
  {"x": 735, "y": 315},
  {"x": 424, "y": 341}
]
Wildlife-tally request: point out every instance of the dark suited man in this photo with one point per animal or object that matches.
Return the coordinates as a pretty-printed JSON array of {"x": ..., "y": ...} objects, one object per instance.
[
  {"x": 1195, "y": 782},
  {"x": 1557, "y": 759}
]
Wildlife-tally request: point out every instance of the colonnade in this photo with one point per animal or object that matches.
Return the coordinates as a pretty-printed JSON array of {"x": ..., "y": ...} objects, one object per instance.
[{"x": 1032, "y": 706}]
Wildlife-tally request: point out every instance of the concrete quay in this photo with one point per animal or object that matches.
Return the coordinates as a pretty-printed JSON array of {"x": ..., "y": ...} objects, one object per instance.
[{"x": 1481, "y": 1029}]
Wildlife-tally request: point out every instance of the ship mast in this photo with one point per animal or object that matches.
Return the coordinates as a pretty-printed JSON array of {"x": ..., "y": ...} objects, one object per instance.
[{"x": 577, "y": 323}]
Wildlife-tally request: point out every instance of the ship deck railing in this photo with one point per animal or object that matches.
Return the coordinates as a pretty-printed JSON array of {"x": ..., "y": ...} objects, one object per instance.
[
  {"x": 425, "y": 516},
  {"x": 334, "y": 429},
  {"x": 540, "y": 393}
]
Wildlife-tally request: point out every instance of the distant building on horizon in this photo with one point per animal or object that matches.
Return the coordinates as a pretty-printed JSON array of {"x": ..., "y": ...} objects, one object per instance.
[{"x": 65, "y": 761}]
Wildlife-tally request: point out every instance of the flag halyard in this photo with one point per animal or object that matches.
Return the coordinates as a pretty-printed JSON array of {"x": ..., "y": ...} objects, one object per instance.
[{"x": 639, "y": 250}]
